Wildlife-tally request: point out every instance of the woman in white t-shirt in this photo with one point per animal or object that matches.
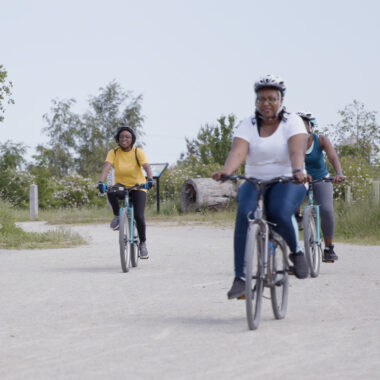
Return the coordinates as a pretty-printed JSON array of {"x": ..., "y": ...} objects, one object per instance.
[{"x": 272, "y": 143}]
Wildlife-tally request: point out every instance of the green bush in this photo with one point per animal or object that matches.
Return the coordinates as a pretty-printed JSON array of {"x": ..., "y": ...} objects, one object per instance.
[
  {"x": 358, "y": 177},
  {"x": 14, "y": 187},
  {"x": 173, "y": 178}
]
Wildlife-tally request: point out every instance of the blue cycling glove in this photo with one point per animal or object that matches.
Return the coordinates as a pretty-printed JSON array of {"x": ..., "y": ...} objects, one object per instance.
[
  {"x": 149, "y": 184},
  {"x": 101, "y": 187}
]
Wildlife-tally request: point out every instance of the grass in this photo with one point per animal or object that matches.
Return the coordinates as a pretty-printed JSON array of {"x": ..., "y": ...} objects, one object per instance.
[
  {"x": 357, "y": 223},
  {"x": 13, "y": 237}
]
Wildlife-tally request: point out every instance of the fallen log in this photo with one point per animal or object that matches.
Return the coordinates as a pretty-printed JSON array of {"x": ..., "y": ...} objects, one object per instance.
[{"x": 205, "y": 192}]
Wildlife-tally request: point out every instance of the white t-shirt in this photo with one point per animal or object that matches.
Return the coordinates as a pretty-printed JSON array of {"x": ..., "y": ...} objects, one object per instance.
[{"x": 268, "y": 157}]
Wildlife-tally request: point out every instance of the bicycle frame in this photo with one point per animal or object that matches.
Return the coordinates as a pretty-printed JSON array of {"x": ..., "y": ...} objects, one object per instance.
[
  {"x": 266, "y": 230},
  {"x": 130, "y": 214},
  {"x": 315, "y": 211}
]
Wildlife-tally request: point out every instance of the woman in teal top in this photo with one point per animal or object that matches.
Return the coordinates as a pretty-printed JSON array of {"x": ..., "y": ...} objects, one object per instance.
[{"x": 323, "y": 191}]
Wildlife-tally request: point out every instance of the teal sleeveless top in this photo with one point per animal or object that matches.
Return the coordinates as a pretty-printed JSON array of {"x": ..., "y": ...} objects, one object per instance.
[{"x": 314, "y": 161}]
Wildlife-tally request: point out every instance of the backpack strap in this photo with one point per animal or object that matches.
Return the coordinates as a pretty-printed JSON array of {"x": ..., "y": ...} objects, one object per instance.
[{"x": 138, "y": 163}]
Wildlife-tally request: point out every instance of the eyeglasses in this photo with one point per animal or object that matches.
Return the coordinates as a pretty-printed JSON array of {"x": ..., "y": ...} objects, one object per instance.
[
  {"x": 125, "y": 137},
  {"x": 269, "y": 100}
]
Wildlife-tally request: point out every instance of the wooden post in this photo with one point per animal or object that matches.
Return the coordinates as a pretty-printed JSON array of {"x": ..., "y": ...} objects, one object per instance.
[
  {"x": 33, "y": 201},
  {"x": 375, "y": 186},
  {"x": 347, "y": 194}
]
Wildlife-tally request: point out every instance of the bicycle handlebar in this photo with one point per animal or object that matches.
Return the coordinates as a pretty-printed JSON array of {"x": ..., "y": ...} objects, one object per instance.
[
  {"x": 115, "y": 188},
  {"x": 258, "y": 182}
]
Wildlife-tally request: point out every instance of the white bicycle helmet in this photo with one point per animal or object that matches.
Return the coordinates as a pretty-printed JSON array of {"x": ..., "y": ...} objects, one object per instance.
[
  {"x": 271, "y": 81},
  {"x": 308, "y": 116}
]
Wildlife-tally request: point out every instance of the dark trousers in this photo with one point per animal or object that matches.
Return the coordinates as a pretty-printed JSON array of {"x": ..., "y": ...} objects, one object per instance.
[{"x": 138, "y": 199}]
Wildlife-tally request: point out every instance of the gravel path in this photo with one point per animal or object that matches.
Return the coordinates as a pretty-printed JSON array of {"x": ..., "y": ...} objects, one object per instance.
[{"x": 72, "y": 313}]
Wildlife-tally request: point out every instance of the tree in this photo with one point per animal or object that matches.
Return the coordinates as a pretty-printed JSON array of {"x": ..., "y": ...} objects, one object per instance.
[
  {"x": 63, "y": 128},
  {"x": 212, "y": 144},
  {"x": 357, "y": 133},
  {"x": 111, "y": 109},
  {"x": 11, "y": 156},
  {"x": 5, "y": 91},
  {"x": 79, "y": 143}
]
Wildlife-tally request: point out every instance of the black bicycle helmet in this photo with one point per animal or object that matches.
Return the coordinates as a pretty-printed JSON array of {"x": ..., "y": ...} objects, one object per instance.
[{"x": 129, "y": 129}]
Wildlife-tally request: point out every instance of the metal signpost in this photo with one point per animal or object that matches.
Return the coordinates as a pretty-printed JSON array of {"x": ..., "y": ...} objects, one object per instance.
[{"x": 157, "y": 170}]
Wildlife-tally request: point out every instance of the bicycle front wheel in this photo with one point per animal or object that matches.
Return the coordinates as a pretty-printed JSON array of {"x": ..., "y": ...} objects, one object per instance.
[
  {"x": 278, "y": 273},
  {"x": 312, "y": 250},
  {"x": 254, "y": 277},
  {"x": 125, "y": 254},
  {"x": 135, "y": 246}
]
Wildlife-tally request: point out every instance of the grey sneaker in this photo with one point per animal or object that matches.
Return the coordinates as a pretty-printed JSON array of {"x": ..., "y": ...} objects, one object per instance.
[
  {"x": 143, "y": 251},
  {"x": 115, "y": 223},
  {"x": 238, "y": 288}
]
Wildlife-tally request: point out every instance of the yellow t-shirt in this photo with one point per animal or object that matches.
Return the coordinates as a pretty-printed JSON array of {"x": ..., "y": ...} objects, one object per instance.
[{"x": 127, "y": 171}]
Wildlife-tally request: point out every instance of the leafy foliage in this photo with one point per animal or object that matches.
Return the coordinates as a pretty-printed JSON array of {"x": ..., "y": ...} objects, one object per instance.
[
  {"x": 5, "y": 91},
  {"x": 212, "y": 144},
  {"x": 357, "y": 133},
  {"x": 79, "y": 143}
]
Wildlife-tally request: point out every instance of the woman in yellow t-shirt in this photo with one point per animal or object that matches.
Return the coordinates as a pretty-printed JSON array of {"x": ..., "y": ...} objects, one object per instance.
[{"x": 127, "y": 161}]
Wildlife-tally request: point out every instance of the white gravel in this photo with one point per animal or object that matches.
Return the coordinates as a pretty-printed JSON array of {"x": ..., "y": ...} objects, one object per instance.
[{"x": 72, "y": 314}]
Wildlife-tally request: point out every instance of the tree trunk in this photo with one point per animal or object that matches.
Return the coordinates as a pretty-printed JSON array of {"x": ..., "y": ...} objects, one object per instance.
[{"x": 205, "y": 192}]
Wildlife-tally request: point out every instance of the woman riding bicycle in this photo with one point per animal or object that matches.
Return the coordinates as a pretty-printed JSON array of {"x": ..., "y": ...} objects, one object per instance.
[
  {"x": 323, "y": 191},
  {"x": 127, "y": 161},
  {"x": 272, "y": 143}
]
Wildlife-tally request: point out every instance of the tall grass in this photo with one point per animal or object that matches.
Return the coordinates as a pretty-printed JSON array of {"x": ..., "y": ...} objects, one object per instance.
[
  {"x": 12, "y": 236},
  {"x": 358, "y": 222}
]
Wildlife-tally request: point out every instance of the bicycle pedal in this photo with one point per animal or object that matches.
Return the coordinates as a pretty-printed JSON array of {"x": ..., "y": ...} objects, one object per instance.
[
  {"x": 241, "y": 298},
  {"x": 329, "y": 261}
]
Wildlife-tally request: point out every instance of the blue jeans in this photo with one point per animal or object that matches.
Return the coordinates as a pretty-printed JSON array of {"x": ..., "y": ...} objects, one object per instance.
[{"x": 281, "y": 202}]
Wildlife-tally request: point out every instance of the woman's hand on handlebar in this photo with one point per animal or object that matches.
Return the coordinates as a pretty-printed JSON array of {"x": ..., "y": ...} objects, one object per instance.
[
  {"x": 220, "y": 173},
  {"x": 300, "y": 177},
  {"x": 339, "y": 177}
]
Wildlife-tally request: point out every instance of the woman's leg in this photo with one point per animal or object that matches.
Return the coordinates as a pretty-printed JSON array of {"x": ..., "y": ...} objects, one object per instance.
[
  {"x": 138, "y": 199},
  {"x": 323, "y": 196},
  {"x": 282, "y": 201},
  {"x": 114, "y": 198},
  {"x": 246, "y": 199}
]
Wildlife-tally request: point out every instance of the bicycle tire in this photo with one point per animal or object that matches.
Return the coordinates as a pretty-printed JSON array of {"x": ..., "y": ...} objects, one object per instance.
[
  {"x": 125, "y": 253},
  {"x": 312, "y": 250},
  {"x": 135, "y": 246},
  {"x": 279, "y": 275},
  {"x": 254, "y": 279}
]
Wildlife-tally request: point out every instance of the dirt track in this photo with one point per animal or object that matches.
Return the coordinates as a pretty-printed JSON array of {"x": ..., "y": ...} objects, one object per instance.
[{"x": 72, "y": 313}]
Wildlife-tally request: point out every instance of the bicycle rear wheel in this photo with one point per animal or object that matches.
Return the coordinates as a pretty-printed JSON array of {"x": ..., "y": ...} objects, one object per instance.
[
  {"x": 125, "y": 253},
  {"x": 278, "y": 273},
  {"x": 135, "y": 246},
  {"x": 254, "y": 277},
  {"x": 312, "y": 250}
]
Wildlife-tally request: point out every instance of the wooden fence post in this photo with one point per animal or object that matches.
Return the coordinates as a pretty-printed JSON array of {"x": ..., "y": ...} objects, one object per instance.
[
  {"x": 33, "y": 201},
  {"x": 375, "y": 187},
  {"x": 347, "y": 194}
]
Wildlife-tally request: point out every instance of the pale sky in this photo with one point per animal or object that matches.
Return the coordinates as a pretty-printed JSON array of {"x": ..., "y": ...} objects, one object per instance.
[{"x": 192, "y": 60}]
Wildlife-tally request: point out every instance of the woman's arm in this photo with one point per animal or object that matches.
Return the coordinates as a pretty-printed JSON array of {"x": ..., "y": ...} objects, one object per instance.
[
  {"x": 297, "y": 149},
  {"x": 148, "y": 171},
  {"x": 236, "y": 157},
  {"x": 326, "y": 145},
  {"x": 106, "y": 168}
]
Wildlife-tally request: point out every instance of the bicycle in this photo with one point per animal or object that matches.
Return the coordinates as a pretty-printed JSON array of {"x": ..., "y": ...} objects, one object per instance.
[
  {"x": 128, "y": 236},
  {"x": 266, "y": 258},
  {"x": 312, "y": 231}
]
